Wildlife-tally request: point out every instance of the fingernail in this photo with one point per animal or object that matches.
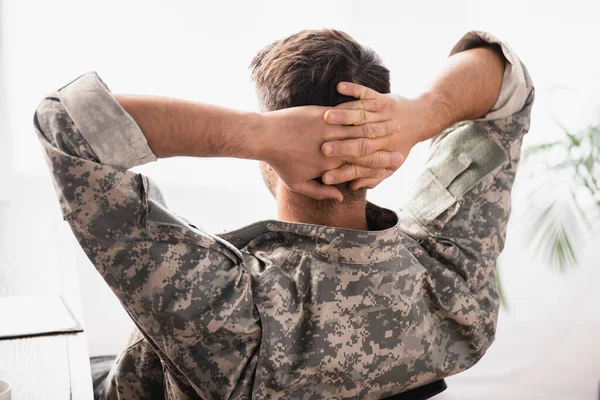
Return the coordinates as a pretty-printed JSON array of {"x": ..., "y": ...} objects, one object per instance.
[
  {"x": 375, "y": 105},
  {"x": 327, "y": 179},
  {"x": 331, "y": 117},
  {"x": 328, "y": 149},
  {"x": 343, "y": 86}
]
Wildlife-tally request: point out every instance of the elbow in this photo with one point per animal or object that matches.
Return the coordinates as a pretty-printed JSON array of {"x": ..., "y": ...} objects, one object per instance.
[
  {"x": 46, "y": 115},
  {"x": 482, "y": 337}
]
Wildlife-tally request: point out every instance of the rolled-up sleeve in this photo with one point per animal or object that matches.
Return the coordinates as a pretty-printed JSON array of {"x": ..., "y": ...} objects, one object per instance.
[
  {"x": 516, "y": 85},
  {"x": 462, "y": 202},
  {"x": 187, "y": 291},
  {"x": 112, "y": 134}
]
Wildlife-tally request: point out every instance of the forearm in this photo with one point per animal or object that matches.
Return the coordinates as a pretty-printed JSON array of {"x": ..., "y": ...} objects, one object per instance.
[
  {"x": 466, "y": 88},
  {"x": 176, "y": 127}
]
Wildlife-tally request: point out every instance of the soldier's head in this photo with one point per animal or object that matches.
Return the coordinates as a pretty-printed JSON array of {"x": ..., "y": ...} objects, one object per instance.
[{"x": 304, "y": 69}]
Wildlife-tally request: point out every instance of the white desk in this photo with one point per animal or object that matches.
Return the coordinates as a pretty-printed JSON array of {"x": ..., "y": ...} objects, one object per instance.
[{"x": 52, "y": 367}]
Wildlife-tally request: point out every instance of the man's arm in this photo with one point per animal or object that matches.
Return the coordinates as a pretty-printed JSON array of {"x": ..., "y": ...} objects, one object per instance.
[
  {"x": 458, "y": 208},
  {"x": 466, "y": 88},
  {"x": 288, "y": 140},
  {"x": 187, "y": 291}
]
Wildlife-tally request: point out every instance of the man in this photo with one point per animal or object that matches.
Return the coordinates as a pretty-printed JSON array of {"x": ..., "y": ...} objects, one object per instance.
[{"x": 339, "y": 298}]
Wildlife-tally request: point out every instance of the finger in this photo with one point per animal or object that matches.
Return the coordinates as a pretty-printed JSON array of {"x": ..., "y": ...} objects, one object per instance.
[
  {"x": 369, "y": 183},
  {"x": 340, "y": 116},
  {"x": 369, "y": 131},
  {"x": 355, "y": 148},
  {"x": 358, "y": 116},
  {"x": 368, "y": 105},
  {"x": 357, "y": 91},
  {"x": 380, "y": 159},
  {"x": 318, "y": 191},
  {"x": 373, "y": 130},
  {"x": 350, "y": 172}
]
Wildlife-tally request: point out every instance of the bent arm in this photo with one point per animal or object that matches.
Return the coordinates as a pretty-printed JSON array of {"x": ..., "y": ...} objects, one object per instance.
[
  {"x": 483, "y": 79},
  {"x": 466, "y": 88},
  {"x": 186, "y": 290},
  {"x": 176, "y": 127}
]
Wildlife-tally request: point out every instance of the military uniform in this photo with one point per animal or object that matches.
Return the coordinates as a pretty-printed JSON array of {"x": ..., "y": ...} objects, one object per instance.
[{"x": 281, "y": 310}]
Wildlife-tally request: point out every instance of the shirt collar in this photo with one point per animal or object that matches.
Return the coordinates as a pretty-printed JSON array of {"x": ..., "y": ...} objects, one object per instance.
[{"x": 334, "y": 244}]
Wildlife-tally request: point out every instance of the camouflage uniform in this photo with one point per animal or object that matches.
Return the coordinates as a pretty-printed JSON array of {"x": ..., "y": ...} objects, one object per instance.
[{"x": 280, "y": 310}]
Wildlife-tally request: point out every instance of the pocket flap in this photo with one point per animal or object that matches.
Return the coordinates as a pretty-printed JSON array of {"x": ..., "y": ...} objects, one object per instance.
[
  {"x": 460, "y": 160},
  {"x": 429, "y": 198},
  {"x": 464, "y": 157}
]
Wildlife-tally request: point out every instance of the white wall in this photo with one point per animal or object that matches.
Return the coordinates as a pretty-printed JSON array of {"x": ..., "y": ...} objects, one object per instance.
[{"x": 201, "y": 50}]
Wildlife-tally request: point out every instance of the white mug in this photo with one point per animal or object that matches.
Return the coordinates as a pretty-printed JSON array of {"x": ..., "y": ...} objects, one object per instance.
[{"x": 4, "y": 390}]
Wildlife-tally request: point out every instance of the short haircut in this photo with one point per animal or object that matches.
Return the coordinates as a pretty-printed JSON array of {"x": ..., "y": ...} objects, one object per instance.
[{"x": 305, "y": 68}]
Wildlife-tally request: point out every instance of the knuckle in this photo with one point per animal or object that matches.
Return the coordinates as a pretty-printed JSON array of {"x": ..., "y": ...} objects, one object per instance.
[
  {"x": 363, "y": 116},
  {"x": 358, "y": 117},
  {"x": 364, "y": 147},
  {"x": 375, "y": 160},
  {"x": 355, "y": 172},
  {"x": 374, "y": 131},
  {"x": 365, "y": 130},
  {"x": 370, "y": 131}
]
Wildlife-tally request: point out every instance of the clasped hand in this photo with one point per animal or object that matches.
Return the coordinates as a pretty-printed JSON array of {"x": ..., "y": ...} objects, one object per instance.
[{"x": 362, "y": 142}]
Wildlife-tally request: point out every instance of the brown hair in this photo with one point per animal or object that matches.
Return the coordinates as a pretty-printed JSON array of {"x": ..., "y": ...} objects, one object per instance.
[{"x": 305, "y": 68}]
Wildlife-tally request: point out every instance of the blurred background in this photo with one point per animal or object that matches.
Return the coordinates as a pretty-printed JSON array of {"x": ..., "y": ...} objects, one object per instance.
[{"x": 547, "y": 344}]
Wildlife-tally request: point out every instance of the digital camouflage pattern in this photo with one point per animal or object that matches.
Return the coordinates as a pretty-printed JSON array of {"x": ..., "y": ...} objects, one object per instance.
[{"x": 281, "y": 310}]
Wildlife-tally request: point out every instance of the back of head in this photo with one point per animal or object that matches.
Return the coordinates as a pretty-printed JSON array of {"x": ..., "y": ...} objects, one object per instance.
[{"x": 305, "y": 68}]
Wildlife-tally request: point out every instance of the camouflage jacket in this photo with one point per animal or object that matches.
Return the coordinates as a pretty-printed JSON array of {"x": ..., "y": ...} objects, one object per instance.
[{"x": 280, "y": 310}]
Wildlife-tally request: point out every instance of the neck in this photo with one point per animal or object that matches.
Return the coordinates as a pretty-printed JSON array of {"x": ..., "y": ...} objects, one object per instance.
[{"x": 294, "y": 208}]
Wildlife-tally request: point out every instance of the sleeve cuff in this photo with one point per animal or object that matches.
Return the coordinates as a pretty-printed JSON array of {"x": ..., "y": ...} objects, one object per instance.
[
  {"x": 111, "y": 132},
  {"x": 516, "y": 85}
]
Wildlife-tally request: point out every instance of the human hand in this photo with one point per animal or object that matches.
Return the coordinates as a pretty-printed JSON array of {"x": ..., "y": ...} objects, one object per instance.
[
  {"x": 292, "y": 140},
  {"x": 413, "y": 120}
]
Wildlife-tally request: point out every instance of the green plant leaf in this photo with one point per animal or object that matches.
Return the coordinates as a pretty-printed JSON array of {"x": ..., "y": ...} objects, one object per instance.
[
  {"x": 575, "y": 141},
  {"x": 555, "y": 229},
  {"x": 540, "y": 148}
]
